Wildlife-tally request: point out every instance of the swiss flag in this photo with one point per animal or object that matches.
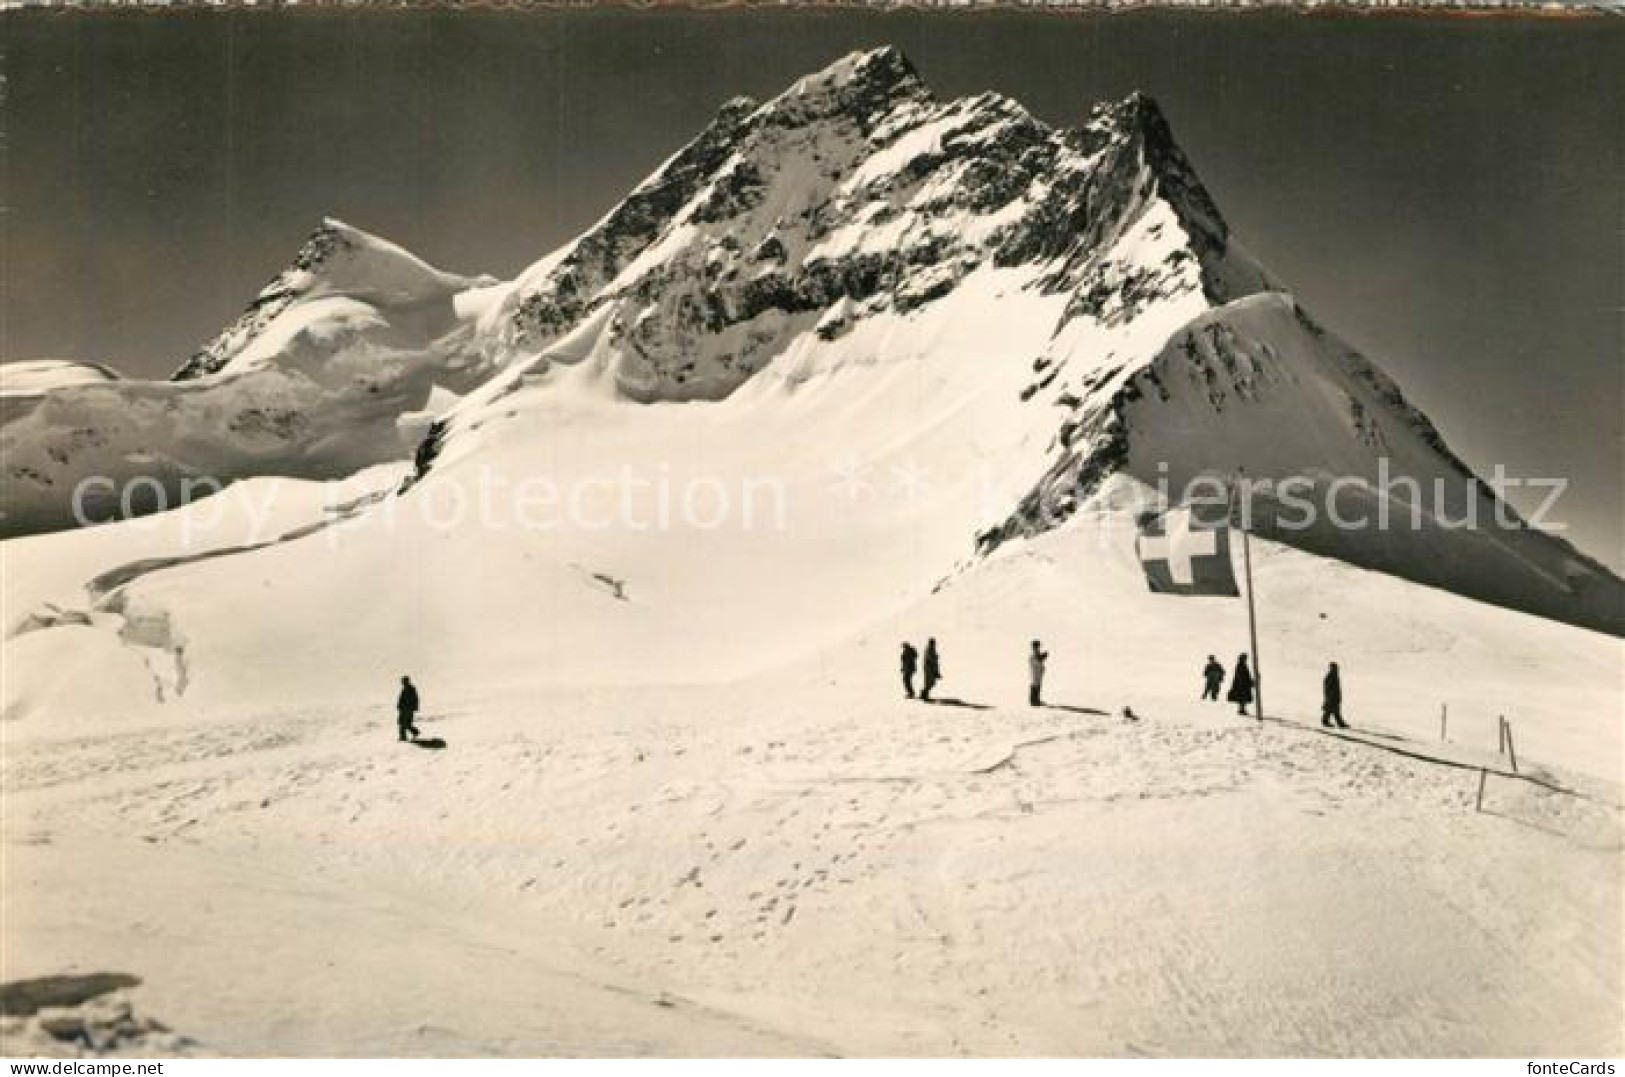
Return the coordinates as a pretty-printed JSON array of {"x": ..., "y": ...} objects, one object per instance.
[{"x": 1183, "y": 555}]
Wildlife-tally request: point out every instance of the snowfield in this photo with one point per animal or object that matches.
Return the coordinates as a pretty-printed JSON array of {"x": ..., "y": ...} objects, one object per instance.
[
  {"x": 802, "y": 862},
  {"x": 775, "y": 869}
]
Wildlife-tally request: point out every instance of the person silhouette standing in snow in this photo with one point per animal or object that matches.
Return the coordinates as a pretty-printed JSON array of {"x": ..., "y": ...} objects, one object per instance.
[
  {"x": 933, "y": 670},
  {"x": 406, "y": 709},
  {"x": 1212, "y": 678},
  {"x": 1241, "y": 685},
  {"x": 1035, "y": 674},
  {"x": 1331, "y": 700},
  {"x": 910, "y": 660}
]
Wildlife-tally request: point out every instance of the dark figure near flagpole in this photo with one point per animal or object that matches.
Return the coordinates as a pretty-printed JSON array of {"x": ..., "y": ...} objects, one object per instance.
[
  {"x": 910, "y": 662},
  {"x": 933, "y": 670},
  {"x": 1331, "y": 702},
  {"x": 1241, "y": 685},
  {"x": 1035, "y": 674},
  {"x": 406, "y": 709},
  {"x": 1212, "y": 678}
]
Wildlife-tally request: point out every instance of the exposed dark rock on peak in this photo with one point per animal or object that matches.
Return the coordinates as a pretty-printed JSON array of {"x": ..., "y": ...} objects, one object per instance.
[
  {"x": 862, "y": 85},
  {"x": 599, "y": 255},
  {"x": 329, "y": 236}
]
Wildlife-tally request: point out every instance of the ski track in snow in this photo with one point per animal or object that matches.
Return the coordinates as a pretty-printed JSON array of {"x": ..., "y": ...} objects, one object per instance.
[{"x": 817, "y": 877}]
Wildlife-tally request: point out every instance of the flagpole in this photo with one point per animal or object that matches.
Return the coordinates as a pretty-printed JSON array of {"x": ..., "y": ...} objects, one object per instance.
[
  {"x": 1252, "y": 623},
  {"x": 1252, "y": 615}
]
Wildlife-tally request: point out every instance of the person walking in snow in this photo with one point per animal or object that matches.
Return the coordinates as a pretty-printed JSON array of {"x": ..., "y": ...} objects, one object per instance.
[
  {"x": 1035, "y": 674},
  {"x": 1241, "y": 685},
  {"x": 1213, "y": 678},
  {"x": 1331, "y": 700},
  {"x": 406, "y": 710},
  {"x": 933, "y": 670},
  {"x": 911, "y": 661}
]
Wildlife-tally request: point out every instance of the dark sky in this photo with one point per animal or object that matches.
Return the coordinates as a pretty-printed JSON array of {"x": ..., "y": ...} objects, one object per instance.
[{"x": 1446, "y": 193}]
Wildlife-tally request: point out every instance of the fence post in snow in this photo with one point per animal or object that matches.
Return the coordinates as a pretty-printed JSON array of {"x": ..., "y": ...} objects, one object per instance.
[
  {"x": 1483, "y": 776},
  {"x": 1444, "y": 717},
  {"x": 1512, "y": 749}
]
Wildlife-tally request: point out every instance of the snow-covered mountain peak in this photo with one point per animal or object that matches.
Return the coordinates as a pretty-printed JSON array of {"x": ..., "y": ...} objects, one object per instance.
[
  {"x": 861, "y": 85},
  {"x": 1134, "y": 115},
  {"x": 854, "y": 193},
  {"x": 336, "y": 260},
  {"x": 1140, "y": 122},
  {"x": 341, "y": 259},
  {"x": 33, "y": 376},
  {"x": 854, "y": 268},
  {"x": 855, "y": 225},
  {"x": 325, "y": 372}
]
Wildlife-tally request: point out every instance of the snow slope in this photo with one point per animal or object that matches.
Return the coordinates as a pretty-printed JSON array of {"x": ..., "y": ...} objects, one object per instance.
[{"x": 800, "y": 862}]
